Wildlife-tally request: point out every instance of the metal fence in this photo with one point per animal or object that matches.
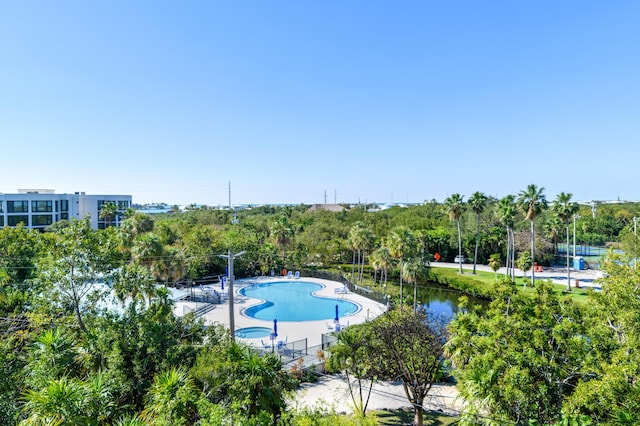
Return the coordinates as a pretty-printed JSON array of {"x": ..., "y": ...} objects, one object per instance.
[
  {"x": 354, "y": 288},
  {"x": 298, "y": 354}
]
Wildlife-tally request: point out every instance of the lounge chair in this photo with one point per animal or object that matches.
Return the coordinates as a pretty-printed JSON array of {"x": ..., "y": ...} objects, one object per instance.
[
  {"x": 289, "y": 274},
  {"x": 297, "y": 275},
  {"x": 265, "y": 345},
  {"x": 343, "y": 289}
]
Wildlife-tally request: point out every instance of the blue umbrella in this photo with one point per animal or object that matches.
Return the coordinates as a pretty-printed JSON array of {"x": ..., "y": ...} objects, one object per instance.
[
  {"x": 337, "y": 316},
  {"x": 222, "y": 282},
  {"x": 275, "y": 328}
]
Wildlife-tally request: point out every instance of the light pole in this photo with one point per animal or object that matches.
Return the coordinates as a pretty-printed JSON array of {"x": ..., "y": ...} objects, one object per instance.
[
  {"x": 230, "y": 280},
  {"x": 575, "y": 216}
]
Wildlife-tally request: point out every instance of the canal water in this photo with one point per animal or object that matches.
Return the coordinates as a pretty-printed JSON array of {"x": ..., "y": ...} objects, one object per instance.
[{"x": 440, "y": 301}]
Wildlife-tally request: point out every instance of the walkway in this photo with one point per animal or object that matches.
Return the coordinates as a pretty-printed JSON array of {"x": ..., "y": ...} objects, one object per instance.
[{"x": 556, "y": 275}]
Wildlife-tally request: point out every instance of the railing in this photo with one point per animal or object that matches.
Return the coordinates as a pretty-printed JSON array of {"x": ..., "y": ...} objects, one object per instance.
[
  {"x": 298, "y": 354},
  {"x": 354, "y": 288}
]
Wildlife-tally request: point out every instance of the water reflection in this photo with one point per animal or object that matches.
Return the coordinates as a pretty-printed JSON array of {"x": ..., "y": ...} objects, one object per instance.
[{"x": 441, "y": 302}]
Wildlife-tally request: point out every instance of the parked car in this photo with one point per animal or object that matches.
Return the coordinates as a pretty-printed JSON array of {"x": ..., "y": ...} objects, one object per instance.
[{"x": 459, "y": 259}]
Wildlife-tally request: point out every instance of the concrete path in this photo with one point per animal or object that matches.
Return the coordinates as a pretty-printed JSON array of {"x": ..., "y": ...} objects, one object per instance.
[
  {"x": 333, "y": 392},
  {"x": 587, "y": 278}
]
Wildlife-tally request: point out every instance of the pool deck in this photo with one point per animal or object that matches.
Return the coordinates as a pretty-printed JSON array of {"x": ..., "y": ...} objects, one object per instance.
[{"x": 287, "y": 330}]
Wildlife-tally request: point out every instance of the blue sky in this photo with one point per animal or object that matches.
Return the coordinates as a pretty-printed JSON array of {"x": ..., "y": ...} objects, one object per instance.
[{"x": 382, "y": 101}]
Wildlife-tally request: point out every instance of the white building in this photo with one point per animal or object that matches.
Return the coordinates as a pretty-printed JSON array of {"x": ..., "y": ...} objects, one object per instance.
[{"x": 39, "y": 208}]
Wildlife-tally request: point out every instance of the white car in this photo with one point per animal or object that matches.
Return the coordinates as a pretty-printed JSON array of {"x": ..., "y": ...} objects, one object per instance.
[{"x": 459, "y": 259}]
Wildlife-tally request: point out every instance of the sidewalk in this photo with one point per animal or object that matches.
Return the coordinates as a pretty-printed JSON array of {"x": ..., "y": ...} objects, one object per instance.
[{"x": 586, "y": 277}]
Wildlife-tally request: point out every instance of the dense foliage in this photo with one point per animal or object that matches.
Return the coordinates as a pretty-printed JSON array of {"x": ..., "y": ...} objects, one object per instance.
[{"x": 68, "y": 357}]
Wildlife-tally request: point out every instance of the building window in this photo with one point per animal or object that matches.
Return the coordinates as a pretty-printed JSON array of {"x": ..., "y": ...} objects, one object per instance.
[
  {"x": 1, "y": 221},
  {"x": 123, "y": 205},
  {"x": 64, "y": 205},
  {"x": 42, "y": 206},
  {"x": 1, "y": 206},
  {"x": 17, "y": 206},
  {"x": 14, "y": 220},
  {"x": 64, "y": 216},
  {"x": 41, "y": 220}
]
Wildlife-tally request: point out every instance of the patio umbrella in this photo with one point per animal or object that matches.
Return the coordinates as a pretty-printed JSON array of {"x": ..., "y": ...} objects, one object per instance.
[
  {"x": 275, "y": 328},
  {"x": 336, "y": 319},
  {"x": 222, "y": 282}
]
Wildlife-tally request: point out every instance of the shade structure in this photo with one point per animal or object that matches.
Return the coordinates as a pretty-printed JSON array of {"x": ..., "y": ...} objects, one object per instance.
[
  {"x": 336, "y": 319},
  {"x": 275, "y": 328}
]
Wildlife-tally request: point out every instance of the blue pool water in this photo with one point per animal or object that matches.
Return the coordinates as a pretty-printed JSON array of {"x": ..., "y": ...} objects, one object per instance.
[
  {"x": 253, "y": 332},
  {"x": 294, "y": 301}
]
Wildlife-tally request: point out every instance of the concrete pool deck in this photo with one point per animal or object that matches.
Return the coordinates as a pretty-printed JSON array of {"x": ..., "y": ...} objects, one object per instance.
[{"x": 289, "y": 330}]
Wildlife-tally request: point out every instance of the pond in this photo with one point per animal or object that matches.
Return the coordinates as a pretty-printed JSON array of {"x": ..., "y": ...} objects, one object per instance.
[{"x": 440, "y": 301}]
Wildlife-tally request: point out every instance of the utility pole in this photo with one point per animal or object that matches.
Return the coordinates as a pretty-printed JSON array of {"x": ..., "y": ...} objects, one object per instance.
[
  {"x": 230, "y": 280},
  {"x": 231, "y": 277}
]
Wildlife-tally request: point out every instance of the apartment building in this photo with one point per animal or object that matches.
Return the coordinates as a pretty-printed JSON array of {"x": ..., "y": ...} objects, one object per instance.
[{"x": 39, "y": 208}]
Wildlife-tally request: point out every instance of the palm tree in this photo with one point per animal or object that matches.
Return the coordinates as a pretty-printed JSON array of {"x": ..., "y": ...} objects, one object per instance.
[
  {"x": 401, "y": 244},
  {"x": 477, "y": 202},
  {"x": 412, "y": 270},
  {"x": 455, "y": 208},
  {"x": 172, "y": 398},
  {"x": 532, "y": 202},
  {"x": 282, "y": 233},
  {"x": 507, "y": 214},
  {"x": 565, "y": 209},
  {"x": 382, "y": 261},
  {"x": 360, "y": 238},
  {"x": 552, "y": 228},
  {"x": 107, "y": 212}
]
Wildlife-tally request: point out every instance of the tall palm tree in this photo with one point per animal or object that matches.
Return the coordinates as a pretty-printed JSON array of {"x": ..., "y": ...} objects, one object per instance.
[
  {"x": 552, "y": 228},
  {"x": 401, "y": 244},
  {"x": 507, "y": 214},
  {"x": 565, "y": 209},
  {"x": 412, "y": 270},
  {"x": 282, "y": 234},
  {"x": 360, "y": 238},
  {"x": 477, "y": 202},
  {"x": 532, "y": 202},
  {"x": 455, "y": 208},
  {"x": 382, "y": 260}
]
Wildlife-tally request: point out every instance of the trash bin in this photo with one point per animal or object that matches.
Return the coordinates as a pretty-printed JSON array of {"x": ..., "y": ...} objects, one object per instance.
[{"x": 578, "y": 263}]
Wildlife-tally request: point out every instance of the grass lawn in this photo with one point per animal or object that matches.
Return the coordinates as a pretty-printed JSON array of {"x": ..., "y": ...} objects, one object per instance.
[{"x": 484, "y": 278}]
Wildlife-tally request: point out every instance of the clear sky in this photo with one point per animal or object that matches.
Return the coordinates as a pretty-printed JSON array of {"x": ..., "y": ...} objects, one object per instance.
[{"x": 385, "y": 101}]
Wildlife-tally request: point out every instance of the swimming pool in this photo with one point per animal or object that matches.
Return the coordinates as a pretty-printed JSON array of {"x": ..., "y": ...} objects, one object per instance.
[
  {"x": 294, "y": 301},
  {"x": 253, "y": 332}
]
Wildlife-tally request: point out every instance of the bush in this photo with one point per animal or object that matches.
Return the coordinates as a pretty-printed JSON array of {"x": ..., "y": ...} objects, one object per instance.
[{"x": 466, "y": 284}]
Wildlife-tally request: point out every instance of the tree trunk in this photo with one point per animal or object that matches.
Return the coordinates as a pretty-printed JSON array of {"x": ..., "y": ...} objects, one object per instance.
[
  {"x": 401, "y": 282},
  {"x": 533, "y": 259},
  {"x": 459, "y": 245},
  {"x": 475, "y": 257},
  {"x": 508, "y": 262},
  {"x": 568, "y": 265},
  {"x": 513, "y": 255},
  {"x": 418, "y": 418},
  {"x": 353, "y": 266}
]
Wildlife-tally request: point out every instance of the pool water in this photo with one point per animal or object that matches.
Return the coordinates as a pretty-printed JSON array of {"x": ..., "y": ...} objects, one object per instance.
[
  {"x": 294, "y": 301},
  {"x": 253, "y": 332}
]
